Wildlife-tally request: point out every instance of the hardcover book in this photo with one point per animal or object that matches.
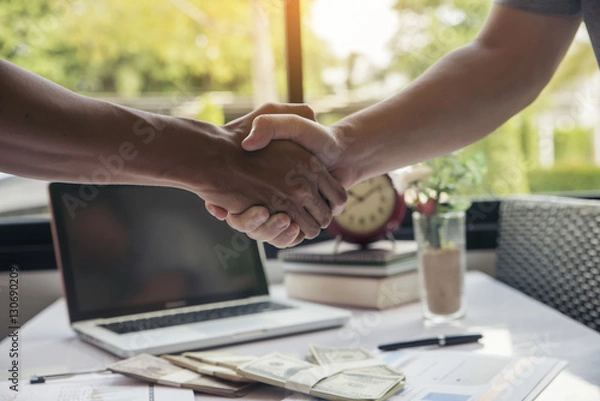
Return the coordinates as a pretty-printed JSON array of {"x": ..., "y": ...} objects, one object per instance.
[
  {"x": 364, "y": 292},
  {"x": 338, "y": 252}
]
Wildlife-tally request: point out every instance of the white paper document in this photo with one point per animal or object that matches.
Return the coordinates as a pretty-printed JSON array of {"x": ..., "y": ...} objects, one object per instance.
[
  {"x": 96, "y": 387},
  {"x": 465, "y": 376}
]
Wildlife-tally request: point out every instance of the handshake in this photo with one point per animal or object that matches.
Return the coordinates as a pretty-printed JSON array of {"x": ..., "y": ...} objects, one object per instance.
[{"x": 276, "y": 175}]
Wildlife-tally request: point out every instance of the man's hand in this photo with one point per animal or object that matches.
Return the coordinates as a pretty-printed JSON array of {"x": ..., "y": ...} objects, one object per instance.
[
  {"x": 324, "y": 142},
  {"x": 282, "y": 178},
  {"x": 276, "y": 229},
  {"x": 320, "y": 140}
]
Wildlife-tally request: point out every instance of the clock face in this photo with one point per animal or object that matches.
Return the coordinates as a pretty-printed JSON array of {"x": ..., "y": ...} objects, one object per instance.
[{"x": 370, "y": 205}]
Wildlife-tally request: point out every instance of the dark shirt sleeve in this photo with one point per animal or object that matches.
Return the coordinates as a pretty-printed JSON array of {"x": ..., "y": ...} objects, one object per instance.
[{"x": 550, "y": 7}]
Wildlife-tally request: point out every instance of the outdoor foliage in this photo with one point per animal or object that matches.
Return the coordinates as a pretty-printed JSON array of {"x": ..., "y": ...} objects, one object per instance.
[
  {"x": 140, "y": 46},
  {"x": 190, "y": 47},
  {"x": 583, "y": 179},
  {"x": 431, "y": 28},
  {"x": 574, "y": 147}
]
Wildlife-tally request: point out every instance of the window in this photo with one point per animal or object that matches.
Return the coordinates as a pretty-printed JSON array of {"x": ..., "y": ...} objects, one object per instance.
[
  {"x": 212, "y": 60},
  {"x": 216, "y": 60},
  {"x": 378, "y": 47}
]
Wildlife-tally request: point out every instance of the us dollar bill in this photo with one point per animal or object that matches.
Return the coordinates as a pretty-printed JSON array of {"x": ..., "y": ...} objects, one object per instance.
[
  {"x": 275, "y": 369},
  {"x": 221, "y": 358},
  {"x": 329, "y": 356},
  {"x": 331, "y": 382},
  {"x": 345, "y": 386},
  {"x": 205, "y": 368},
  {"x": 156, "y": 370}
]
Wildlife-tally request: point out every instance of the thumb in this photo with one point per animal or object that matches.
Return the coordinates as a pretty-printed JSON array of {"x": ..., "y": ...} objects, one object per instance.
[
  {"x": 262, "y": 132},
  {"x": 309, "y": 134}
]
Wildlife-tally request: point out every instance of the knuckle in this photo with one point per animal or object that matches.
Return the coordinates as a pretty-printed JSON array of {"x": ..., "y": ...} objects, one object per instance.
[
  {"x": 280, "y": 243},
  {"x": 269, "y": 107},
  {"x": 234, "y": 223},
  {"x": 312, "y": 231},
  {"x": 326, "y": 219},
  {"x": 307, "y": 110},
  {"x": 259, "y": 119},
  {"x": 342, "y": 197},
  {"x": 253, "y": 235},
  {"x": 261, "y": 122}
]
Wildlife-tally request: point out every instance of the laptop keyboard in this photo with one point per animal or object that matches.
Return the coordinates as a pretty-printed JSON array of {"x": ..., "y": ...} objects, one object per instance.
[{"x": 158, "y": 322}]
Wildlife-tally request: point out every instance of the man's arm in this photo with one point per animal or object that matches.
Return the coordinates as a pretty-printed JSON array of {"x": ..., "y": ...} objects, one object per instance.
[
  {"x": 463, "y": 97},
  {"x": 48, "y": 132}
]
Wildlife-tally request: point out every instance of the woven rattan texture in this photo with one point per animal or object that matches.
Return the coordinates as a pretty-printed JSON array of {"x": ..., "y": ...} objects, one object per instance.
[{"x": 549, "y": 248}]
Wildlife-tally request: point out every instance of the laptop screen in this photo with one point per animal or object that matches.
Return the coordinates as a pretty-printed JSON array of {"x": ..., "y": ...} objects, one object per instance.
[{"x": 132, "y": 249}]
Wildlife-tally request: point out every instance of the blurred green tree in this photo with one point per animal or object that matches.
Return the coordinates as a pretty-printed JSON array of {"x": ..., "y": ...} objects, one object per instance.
[
  {"x": 140, "y": 46},
  {"x": 429, "y": 29}
]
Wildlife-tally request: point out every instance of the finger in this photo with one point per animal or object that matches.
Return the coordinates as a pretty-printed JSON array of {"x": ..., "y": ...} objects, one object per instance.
[
  {"x": 287, "y": 237},
  {"x": 300, "y": 109},
  {"x": 299, "y": 238},
  {"x": 305, "y": 133},
  {"x": 309, "y": 226},
  {"x": 216, "y": 211},
  {"x": 319, "y": 210},
  {"x": 249, "y": 220},
  {"x": 272, "y": 228},
  {"x": 334, "y": 192}
]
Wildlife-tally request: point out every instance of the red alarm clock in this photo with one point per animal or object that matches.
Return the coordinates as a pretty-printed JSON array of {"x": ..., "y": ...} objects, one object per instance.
[{"x": 373, "y": 211}]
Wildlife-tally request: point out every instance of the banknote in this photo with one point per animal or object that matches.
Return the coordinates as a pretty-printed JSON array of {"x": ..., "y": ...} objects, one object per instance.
[
  {"x": 206, "y": 368},
  {"x": 311, "y": 359},
  {"x": 328, "y": 381},
  {"x": 379, "y": 370},
  {"x": 221, "y": 358},
  {"x": 274, "y": 369},
  {"x": 328, "y": 355},
  {"x": 358, "y": 386},
  {"x": 156, "y": 370}
]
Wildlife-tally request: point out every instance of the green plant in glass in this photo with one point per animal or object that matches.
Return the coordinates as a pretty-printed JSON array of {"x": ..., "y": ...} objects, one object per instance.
[
  {"x": 440, "y": 188},
  {"x": 436, "y": 191}
]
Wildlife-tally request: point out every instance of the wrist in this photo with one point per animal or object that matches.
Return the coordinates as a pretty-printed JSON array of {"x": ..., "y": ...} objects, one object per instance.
[
  {"x": 347, "y": 167},
  {"x": 172, "y": 151},
  {"x": 194, "y": 155}
]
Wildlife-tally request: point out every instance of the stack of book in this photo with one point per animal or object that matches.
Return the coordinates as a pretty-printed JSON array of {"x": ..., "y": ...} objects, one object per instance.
[{"x": 333, "y": 272}]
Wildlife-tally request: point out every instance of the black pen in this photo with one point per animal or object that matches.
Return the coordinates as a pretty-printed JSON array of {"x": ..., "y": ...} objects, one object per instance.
[{"x": 440, "y": 340}]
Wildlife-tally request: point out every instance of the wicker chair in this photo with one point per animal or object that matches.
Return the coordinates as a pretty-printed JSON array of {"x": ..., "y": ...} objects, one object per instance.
[{"x": 549, "y": 248}]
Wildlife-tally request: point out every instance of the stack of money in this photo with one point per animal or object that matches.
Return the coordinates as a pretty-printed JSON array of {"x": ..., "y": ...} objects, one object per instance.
[
  {"x": 208, "y": 369},
  {"x": 346, "y": 374},
  {"x": 226, "y": 359},
  {"x": 156, "y": 370},
  {"x": 334, "y": 356}
]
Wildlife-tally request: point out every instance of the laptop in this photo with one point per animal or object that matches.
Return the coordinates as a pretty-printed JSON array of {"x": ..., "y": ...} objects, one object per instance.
[{"x": 149, "y": 270}]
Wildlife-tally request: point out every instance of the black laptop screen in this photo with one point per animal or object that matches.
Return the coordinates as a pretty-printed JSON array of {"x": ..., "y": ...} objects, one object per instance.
[{"x": 130, "y": 249}]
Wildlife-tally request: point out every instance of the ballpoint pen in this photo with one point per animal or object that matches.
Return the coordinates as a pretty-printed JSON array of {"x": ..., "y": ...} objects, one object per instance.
[
  {"x": 38, "y": 379},
  {"x": 440, "y": 340}
]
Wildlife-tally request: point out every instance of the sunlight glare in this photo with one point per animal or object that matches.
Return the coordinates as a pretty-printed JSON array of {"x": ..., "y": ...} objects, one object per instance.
[{"x": 356, "y": 26}]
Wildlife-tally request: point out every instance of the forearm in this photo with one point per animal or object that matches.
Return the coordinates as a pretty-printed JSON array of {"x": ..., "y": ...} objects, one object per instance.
[
  {"x": 461, "y": 99},
  {"x": 48, "y": 132},
  {"x": 465, "y": 96}
]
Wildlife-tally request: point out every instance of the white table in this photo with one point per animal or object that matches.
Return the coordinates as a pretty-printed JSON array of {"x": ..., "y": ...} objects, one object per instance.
[{"x": 512, "y": 324}]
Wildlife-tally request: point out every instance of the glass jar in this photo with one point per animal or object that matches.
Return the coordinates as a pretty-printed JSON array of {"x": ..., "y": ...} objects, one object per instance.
[{"x": 442, "y": 264}]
